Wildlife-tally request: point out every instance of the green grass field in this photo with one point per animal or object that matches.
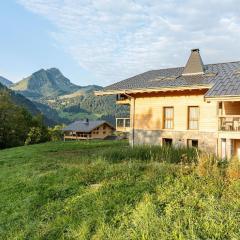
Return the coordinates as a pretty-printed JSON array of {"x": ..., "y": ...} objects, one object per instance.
[{"x": 106, "y": 190}]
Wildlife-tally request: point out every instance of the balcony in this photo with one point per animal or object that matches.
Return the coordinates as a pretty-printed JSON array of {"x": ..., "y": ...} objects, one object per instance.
[
  {"x": 122, "y": 99},
  {"x": 122, "y": 124},
  {"x": 229, "y": 123}
]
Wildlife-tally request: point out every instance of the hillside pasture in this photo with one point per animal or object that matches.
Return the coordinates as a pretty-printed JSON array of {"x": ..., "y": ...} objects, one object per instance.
[{"x": 106, "y": 190}]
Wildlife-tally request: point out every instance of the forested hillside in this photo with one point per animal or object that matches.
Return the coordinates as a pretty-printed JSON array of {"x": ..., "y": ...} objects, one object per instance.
[
  {"x": 90, "y": 106},
  {"x": 18, "y": 126},
  {"x": 20, "y": 100}
]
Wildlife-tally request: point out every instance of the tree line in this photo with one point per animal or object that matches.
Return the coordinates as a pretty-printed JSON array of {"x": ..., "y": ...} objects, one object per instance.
[{"x": 18, "y": 127}]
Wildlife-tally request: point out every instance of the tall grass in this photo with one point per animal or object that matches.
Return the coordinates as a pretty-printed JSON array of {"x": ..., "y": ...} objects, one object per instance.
[
  {"x": 166, "y": 154},
  {"x": 107, "y": 190}
]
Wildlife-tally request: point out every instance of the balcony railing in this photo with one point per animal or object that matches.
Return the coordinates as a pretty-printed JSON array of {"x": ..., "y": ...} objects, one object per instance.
[
  {"x": 123, "y": 124},
  {"x": 229, "y": 123}
]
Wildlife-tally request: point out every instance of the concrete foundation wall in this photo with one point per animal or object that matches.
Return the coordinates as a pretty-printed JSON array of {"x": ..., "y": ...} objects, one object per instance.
[{"x": 206, "y": 141}]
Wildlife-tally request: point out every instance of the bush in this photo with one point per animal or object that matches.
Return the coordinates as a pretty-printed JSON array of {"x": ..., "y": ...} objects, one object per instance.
[
  {"x": 233, "y": 169},
  {"x": 37, "y": 135},
  {"x": 56, "y": 133},
  {"x": 207, "y": 165},
  {"x": 34, "y": 136}
]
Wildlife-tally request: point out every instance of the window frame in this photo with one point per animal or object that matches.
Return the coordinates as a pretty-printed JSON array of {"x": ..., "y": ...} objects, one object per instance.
[
  {"x": 193, "y": 120},
  {"x": 168, "y": 119}
]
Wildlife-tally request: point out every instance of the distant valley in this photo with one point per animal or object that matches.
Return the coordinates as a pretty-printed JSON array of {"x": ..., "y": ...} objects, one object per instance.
[{"x": 61, "y": 101}]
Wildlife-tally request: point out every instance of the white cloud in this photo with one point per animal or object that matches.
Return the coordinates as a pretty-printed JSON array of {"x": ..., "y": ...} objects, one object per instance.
[{"x": 117, "y": 39}]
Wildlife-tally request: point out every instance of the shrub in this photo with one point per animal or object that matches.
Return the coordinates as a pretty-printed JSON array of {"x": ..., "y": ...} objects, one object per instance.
[
  {"x": 206, "y": 165},
  {"x": 37, "y": 135},
  {"x": 56, "y": 133},
  {"x": 233, "y": 169}
]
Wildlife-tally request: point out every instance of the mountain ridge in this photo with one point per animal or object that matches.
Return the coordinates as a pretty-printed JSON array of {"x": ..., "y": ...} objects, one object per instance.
[
  {"x": 62, "y": 101},
  {"x": 6, "y": 82},
  {"x": 47, "y": 83}
]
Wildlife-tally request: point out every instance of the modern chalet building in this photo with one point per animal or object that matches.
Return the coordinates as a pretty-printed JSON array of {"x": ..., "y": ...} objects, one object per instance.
[
  {"x": 87, "y": 129},
  {"x": 196, "y": 105}
]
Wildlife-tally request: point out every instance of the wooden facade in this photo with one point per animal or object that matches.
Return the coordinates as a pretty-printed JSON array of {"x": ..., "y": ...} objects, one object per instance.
[
  {"x": 197, "y": 105},
  {"x": 157, "y": 117}
]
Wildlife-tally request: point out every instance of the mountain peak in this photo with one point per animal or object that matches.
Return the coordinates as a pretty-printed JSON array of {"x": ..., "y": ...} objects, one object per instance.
[
  {"x": 45, "y": 83},
  {"x": 53, "y": 69}
]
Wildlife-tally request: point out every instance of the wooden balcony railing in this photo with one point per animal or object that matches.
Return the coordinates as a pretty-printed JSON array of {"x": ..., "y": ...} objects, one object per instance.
[
  {"x": 123, "y": 124},
  {"x": 229, "y": 123}
]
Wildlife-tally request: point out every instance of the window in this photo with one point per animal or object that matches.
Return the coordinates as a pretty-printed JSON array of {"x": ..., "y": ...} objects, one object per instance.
[
  {"x": 104, "y": 132},
  {"x": 193, "y": 118},
  {"x": 192, "y": 143},
  {"x": 127, "y": 122},
  {"x": 224, "y": 148},
  {"x": 120, "y": 122},
  {"x": 168, "y": 117},
  {"x": 167, "y": 141},
  {"x": 104, "y": 127}
]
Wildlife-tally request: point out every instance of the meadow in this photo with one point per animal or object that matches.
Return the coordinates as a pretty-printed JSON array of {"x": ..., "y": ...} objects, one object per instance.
[{"x": 106, "y": 190}]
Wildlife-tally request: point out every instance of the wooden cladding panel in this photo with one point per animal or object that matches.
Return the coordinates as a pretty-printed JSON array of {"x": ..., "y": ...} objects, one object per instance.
[
  {"x": 149, "y": 111},
  {"x": 231, "y": 108},
  {"x": 102, "y": 132}
]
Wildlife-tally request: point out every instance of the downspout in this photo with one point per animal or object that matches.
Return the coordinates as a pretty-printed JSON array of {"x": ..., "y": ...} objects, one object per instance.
[{"x": 133, "y": 121}]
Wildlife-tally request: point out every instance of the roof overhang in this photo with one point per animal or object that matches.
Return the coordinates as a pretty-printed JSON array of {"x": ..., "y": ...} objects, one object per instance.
[
  {"x": 224, "y": 98},
  {"x": 150, "y": 90}
]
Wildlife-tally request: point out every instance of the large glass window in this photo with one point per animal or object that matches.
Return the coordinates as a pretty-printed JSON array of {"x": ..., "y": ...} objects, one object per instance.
[
  {"x": 193, "y": 118},
  {"x": 168, "y": 117}
]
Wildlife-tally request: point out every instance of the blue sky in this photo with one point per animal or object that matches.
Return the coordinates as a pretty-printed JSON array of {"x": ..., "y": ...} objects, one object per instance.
[
  {"x": 104, "y": 41},
  {"x": 26, "y": 45}
]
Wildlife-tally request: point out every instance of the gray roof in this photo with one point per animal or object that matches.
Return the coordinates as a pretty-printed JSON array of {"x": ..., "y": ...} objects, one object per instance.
[
  {"x": 84, "y": 126},
  {"x": 223, "y": 79}
]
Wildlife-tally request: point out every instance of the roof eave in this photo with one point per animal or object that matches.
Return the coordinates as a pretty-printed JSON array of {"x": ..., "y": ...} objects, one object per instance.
[
  {"x": 148, "y": 90},
  {"x": 223, "y": 98}
]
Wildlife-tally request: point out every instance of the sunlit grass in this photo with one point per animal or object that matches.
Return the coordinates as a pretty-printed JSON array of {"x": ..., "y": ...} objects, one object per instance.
[{"x": 107, "y": 190}]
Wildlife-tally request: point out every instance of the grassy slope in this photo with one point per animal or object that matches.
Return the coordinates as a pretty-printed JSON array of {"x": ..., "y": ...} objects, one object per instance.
[{"x": 84, "y": 190}]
